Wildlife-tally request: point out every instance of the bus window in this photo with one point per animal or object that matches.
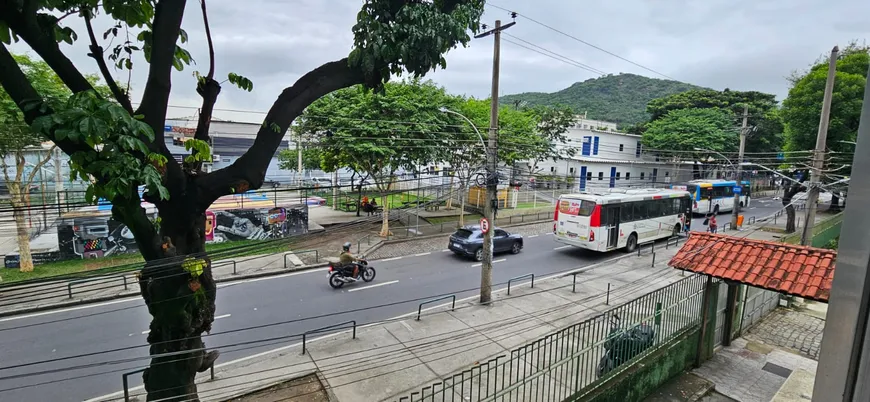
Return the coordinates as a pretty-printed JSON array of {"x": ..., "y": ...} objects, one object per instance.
[
  {"x": 693, "y": 190},
  {"x": 625, "y": 213},
  {"x": 639, "y": 210}
]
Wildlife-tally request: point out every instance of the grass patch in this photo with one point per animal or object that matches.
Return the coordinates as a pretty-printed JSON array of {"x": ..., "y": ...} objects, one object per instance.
[{"x": 125, "y": 262}]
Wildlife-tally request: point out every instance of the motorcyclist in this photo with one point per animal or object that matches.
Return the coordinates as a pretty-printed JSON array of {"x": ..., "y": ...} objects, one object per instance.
[{"x": 347, "y": 259}]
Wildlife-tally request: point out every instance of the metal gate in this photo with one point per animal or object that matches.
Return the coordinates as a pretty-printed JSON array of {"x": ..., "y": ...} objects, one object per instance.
[
  {"x": 721, "y": 303},
  {"x": 758, "y": 303}
]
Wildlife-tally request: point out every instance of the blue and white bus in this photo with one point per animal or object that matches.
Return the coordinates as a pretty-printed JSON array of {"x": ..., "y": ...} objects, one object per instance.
[{"x": 714, "y": 196}]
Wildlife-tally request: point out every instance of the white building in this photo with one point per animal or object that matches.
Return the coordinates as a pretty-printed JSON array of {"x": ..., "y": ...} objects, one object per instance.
[{"x": 604, "y": 157}]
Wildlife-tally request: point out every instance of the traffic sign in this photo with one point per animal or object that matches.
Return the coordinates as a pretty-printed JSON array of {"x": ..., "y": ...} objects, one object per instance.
[
  {"x": 484, "y": 225},
  {"x": 738, "y": 190}
]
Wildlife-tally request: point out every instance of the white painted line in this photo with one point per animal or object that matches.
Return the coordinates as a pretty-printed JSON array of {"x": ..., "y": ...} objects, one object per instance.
[
  {"x": 227, "y": 284},
  {"x": 145, "y": 332},
  {"x": 562, "y": 247},
  {"x": 19, "y": 317},
  {"x": 414, "y": 231},
  {"x": 223, "y": 316},
  {"x": 373, "y": 286},
  {"x": 533, "y": 236},
  {"x": 391, "y": 259},
  {"x": 493, "y": 261},
  {"x": 445, "y": 251},
  {"x": 421, "y": 254}
]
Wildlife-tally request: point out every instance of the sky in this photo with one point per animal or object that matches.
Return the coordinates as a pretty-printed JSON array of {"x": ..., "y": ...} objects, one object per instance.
[{"x": 736, "y": 44}]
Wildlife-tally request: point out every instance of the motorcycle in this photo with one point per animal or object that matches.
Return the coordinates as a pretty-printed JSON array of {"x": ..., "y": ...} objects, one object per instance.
[
  {"x": 338, "y": 276},
  {"x": 623, "y": 345}
]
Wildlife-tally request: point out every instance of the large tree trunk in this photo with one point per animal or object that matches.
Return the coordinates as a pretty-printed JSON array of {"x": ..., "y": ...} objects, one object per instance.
[
  {"x": 835, "y": 203},
  {"x": 19, "y": 213},
  {"x": 788, "y": 194},
  {"x": 180, "y": 299}
]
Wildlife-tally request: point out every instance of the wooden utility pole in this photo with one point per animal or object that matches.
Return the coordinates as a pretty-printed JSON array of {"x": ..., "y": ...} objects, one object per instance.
[
  {"x": 819, "y": 154},
  {"x": 491, "y": 167},
  {"x": 735, "y": 212}
]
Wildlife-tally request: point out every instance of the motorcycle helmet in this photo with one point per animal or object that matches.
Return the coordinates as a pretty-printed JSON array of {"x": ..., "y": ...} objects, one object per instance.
[{"x": 346, "y": 246}]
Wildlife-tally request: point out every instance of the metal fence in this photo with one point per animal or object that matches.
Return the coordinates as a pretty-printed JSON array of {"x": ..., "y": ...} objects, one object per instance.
[{"x": 576, "y": 358}]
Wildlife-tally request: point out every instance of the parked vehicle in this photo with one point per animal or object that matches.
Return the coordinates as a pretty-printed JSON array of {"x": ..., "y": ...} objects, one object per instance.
[
  {"x": 468, "y": 242},
  {"x": 623, "y": 345},
  {"x": 338, "y": 276},
  {"x": 824, "y": 202}
]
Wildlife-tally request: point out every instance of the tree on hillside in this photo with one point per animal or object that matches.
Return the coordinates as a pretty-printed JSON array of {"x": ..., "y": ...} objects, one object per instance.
[
  {"x": 618, "y": 98},
  {"x": 378, "y": 133},
  {"x": 687, "y": 130},
  {"x": 123, "y": 148},
  {"x": 803, "y": 106},
  {"x": 17, "y": 141},
  {"x": 767, "y": 135}
]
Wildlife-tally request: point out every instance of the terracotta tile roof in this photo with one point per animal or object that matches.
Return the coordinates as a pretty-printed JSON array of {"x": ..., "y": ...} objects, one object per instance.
[{"x": 801, "y": 271}]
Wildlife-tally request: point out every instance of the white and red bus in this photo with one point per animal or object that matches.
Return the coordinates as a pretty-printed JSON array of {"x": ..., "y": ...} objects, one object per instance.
[{"x": 620, "y": 218}]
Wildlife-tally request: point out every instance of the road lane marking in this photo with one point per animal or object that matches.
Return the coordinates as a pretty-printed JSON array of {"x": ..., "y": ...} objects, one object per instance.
[
  {"x": 562, "y": 247},
  {"x": 20, "y": 317},
  {"x": 445, "y": 250},
  {"x": 533, "y": 236},
  {"x": 421, "y": 254},
  {"x": 145, "y": 332},
  {"x": 373, "y": 286},
  {"x": 391, "y": 259},
  {"x": 223, "y": 316},
  {"x": 493, "y": 261},
  {"x": 308, "y": 271}
]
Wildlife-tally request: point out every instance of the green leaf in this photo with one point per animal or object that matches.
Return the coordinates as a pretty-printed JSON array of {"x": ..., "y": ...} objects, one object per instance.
[{"x": 5, "y": 33}]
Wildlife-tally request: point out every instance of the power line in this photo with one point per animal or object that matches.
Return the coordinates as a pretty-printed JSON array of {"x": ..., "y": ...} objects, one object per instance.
[{"x": 583, "y": 41}]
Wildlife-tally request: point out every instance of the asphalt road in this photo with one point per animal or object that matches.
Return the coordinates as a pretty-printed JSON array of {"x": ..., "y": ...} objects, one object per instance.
[
  {"x": 255, "y": 303},
  {"x": 247, "y": 311}
]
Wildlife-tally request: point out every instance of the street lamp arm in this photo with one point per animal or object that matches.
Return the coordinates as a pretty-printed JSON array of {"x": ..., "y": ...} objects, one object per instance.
[
  {"x": 446, "y": 110},
  {"x": 723, "y": 157}
]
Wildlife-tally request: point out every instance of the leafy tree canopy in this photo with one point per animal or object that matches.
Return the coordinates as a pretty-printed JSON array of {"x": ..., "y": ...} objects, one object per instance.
[
  {"x": 803, "y": 106},
  {"x": 288, "y": 159},
  {"x": 763, "y": 113},
  {"x": 688, "y": 129}
]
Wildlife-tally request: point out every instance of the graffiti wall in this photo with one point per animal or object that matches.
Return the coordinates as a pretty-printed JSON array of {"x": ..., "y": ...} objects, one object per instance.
[{"x": 101, "y": 236}]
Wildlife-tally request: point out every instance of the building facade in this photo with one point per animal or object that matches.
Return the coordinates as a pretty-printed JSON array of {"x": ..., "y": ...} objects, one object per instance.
[{"x": 603, "y": 157}]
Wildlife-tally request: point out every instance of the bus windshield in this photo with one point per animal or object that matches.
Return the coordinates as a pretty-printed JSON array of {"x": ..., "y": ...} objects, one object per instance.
[
  {"x": 576, "y": 207},
  {"x": 692, "y": 189}
]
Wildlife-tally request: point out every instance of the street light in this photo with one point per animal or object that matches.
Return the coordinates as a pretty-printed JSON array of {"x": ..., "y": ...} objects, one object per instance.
[
  {"x": 723, "y": 157},
  {"x": 443, "y": 109}
]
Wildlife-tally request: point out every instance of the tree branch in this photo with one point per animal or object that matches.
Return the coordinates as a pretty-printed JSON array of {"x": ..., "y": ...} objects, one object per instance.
[
  {"x": 249, "y": 171},
  {"x": 26, "y": 26},
  {"x": 210, "y": 43},
  {"x": 19, "y": 166},
  {"x": 39, "y": 166},
  {"x": 23, "y": 94},
  {"x": 155, "y": 97},
  {"x": 97, "y": 54}
]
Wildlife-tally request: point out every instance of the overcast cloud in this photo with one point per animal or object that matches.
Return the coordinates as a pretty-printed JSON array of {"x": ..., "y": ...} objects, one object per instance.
[{"x": 737, "y": 44}]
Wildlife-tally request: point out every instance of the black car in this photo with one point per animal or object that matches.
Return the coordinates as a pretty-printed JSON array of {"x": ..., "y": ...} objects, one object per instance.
[{"x": 468, "y": 242}]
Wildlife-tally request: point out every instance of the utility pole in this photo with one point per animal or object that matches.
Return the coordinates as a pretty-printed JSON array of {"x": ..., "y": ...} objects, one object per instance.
[
  {"x": 819, "y": 154},
  {"x": 735, "y": 212},
  {"x": 492, "y": 165}
]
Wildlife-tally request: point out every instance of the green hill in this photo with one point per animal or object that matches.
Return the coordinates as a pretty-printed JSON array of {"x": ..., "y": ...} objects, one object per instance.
[{"x": 616, "y": 98}]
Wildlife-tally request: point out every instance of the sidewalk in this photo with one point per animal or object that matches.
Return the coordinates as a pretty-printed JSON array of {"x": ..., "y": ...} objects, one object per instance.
[{"x": 392, "y": 359}]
